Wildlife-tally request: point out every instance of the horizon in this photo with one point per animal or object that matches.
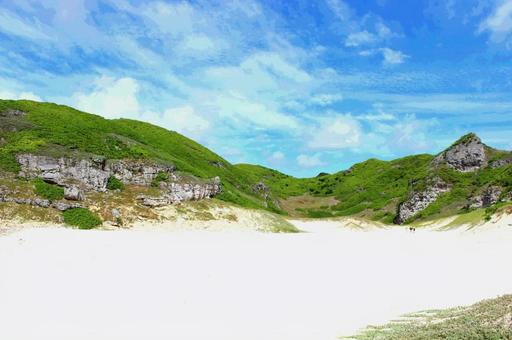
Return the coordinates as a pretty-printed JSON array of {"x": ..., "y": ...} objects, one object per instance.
[{"x": 301, "y": 87}]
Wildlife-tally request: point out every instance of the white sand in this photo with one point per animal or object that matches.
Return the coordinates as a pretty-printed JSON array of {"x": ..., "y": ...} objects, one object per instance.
[{"x": 58, "y": 283}]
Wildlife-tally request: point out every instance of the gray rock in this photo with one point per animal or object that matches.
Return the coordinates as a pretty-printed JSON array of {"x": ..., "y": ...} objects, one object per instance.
[
  {"x": 420, "y": 200},
  {"x": 13, "y": 113},
  {"x": 488, "y": 197},
  {"x": 500, "y": 162},
  {"x": 63, "y": 206},
  {"x": 116, "y": 213},
  {"x": 466, "y": 156},
  {"x": 179, "y": 192},
  {"x": 91, "y": 173},
  {"x": 73, "y": 193}
]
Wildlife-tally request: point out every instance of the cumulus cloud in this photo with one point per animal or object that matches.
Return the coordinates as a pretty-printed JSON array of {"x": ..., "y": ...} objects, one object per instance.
[
  {"x": 305, "y": 161},
  {"x": 326, "y": 99},
  {"x": 389, "y": 56},
  {"x": 499, "y": 23},
  {"x": 185, "y": 121},
  {"x": 392, "y": 57},
  {"x": 20, "y": 95},
  {"x": 360, "y": 38},
  {"x": 338, "y": 132},
  {"x": 110, "y": 97}
]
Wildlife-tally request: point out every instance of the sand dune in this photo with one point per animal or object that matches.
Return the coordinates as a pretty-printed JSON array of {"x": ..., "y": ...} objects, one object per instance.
[{"x": 57, "y": 283}]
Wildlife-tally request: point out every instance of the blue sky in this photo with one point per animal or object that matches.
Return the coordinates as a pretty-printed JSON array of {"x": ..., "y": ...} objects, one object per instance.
[{"x": 300, "y": 86}]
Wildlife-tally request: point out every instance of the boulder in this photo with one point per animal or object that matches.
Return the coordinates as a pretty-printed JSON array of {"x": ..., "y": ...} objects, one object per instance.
[
  {"x": 488, "y": 197},
  {"x": 466, "y": 155},
  {"x": 420, "y": 200},
  {"x": 73, "y": 193}
]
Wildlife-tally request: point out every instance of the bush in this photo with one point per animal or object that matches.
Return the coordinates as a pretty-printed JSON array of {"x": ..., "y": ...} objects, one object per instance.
[
  {"x": 48, "y": 191},
  {"x": 81, "y": 218},
  {"x": 160, "y": 177},
  {"x": 114, "y": 184}
]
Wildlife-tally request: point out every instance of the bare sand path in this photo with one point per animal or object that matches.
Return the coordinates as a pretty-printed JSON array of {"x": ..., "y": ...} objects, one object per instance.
[{"x": 58, "y": 283}]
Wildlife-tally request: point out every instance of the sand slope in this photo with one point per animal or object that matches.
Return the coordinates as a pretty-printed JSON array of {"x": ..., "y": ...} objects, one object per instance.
[{"x": 58, "y": 283}]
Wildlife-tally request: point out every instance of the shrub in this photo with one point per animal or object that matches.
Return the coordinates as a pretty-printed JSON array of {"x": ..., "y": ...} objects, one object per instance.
[
  {"x": 48, "y": 191},
  {"x": 81, "y": 218},
  {"x": 114, "y": 184},
  {"x": 160, "y": 177}
]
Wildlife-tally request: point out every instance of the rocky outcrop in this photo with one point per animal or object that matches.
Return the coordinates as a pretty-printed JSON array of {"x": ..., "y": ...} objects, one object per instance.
[
  {"x": 179, "y": 192},
  {"x": 491, "y": 195},
  {"x": 420, "y": 200},
  {"x": 466, "y": 155},
  {"x": 500, "y": 162},
  {"x": 264, "y": 192},
  {"x": 73, "y": 193},
  {"x": 39, "y": 202},
  {"x": 13, "y": 113},
  {"x": 91, "y": 173}
]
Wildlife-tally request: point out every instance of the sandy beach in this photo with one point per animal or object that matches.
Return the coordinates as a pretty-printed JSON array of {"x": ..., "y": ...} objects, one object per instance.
[{"x": 58, "y": 283}]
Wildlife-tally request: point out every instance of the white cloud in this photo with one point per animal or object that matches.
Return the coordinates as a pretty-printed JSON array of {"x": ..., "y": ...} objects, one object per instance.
[
  {"x": 20, "y": 95},
  {"x": 338, "y": 132},
  {"x": 499, "y": 23},
  {"x": 110, "y": 97},
  {"x": 392, "y": 57},
  {"x": 11, "y": 24},
  {"x": 243, "y": 110},
  {"x": 197, "y": 44},
  {"x": 360, "y": 38},
  {"x": 306, "y": 161},
  {"x": 277, "y": 156},
  {"x": 326, "y": 99},
  {"x": 185, "y": 121}
]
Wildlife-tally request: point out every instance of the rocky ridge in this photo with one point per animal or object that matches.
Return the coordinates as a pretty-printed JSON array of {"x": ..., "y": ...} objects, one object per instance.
[
  {"x": 466, "y": 155},
  {"x": 420, "y": 200}
]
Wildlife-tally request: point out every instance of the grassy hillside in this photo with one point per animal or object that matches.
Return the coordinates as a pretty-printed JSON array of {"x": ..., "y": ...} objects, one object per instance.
[
  {"x": 57, "y": 130},
  {"x": 372, "y": 189}
]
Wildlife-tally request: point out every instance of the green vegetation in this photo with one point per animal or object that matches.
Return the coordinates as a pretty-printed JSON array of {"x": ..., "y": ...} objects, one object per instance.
[
  {"x": 114, "y": 184},
  {"x": 160, "y": 177},
  {"x": 48, "y": 191},
  {"x": 486, "y": 320},
  {"x": 372, "y": 189},
  {"x": 81, "y": 218}
]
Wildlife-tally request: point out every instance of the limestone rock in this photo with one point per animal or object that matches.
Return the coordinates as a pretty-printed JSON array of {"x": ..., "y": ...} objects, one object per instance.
[
  {"x": 13, "y": 113},
  {"x": 489, "y": 196},
  {"x": 467, "y": 155},
  {"x": 179, "y": 192},
  {"x": 500, "y": 162},
  {"x": 420, "y": 200},
  {"x": 92, "y": 173},
  {"x": 73, "y": 193}
]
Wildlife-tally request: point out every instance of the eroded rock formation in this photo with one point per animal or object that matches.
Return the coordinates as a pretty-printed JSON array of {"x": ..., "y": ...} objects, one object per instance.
[
  {"x": 179, "y": 192},
  {"x": 488, "y": 197},
  {"x": 420, "y": 200},
  {"x": 92, "y": 173},
  {"x": 466, "y": 155}
]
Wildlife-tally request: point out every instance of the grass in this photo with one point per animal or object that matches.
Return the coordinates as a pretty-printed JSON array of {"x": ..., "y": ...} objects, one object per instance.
[
  {"x": 372, "y": 189},
  {"x": 48, "y": 191},
  {"x": 486, "y": 320},
  {"x": 81, "y": 218},
  {"x": 114, "y": 184},
  {"x": 160, "y": 177}
]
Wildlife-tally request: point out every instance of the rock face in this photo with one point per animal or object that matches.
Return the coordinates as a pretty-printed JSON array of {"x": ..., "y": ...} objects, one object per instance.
[
  {"x": 91, "y": 173},
  {"x": 489, "y": 196},
  {"x": 262, "y": 190},
  {"x": 467, "y": 155},
  {"x": 500, "y": 162},
  {"x": 73, "y": 193},
  {"x": 420, "y": 200},
  {"x": 179, "y": 192},
  {"x": 39, "y": 202},
  {"x": 13, "y": 113}
]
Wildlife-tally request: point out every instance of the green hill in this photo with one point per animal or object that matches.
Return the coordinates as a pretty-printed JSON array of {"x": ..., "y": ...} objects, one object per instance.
[{"x": 374, "y": 189}]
